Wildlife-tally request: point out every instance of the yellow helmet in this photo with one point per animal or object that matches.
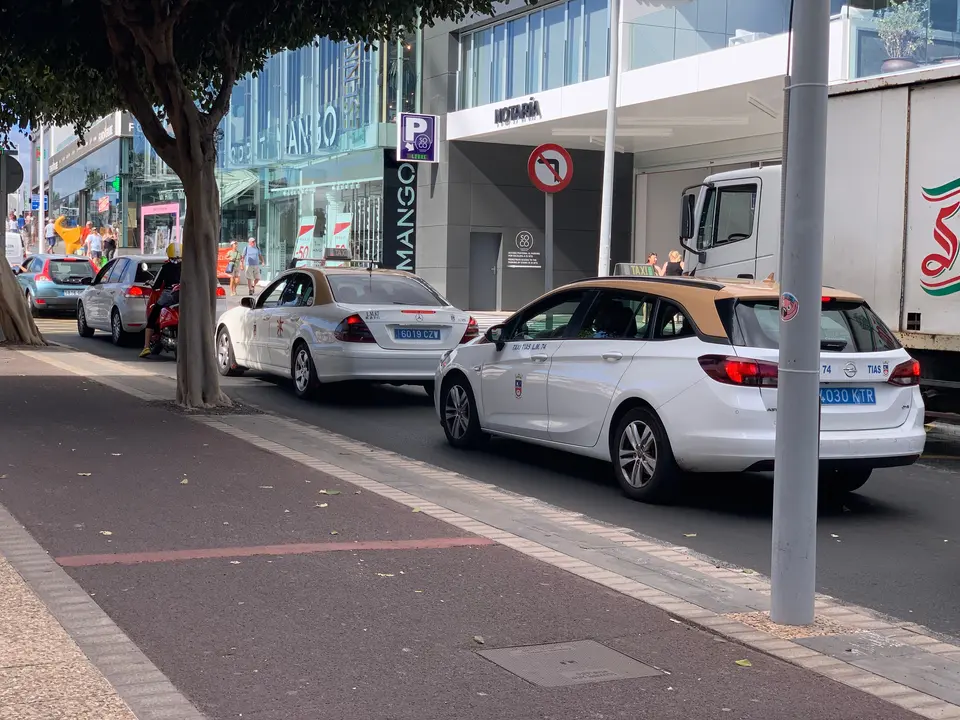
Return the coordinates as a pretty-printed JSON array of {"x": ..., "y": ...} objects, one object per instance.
[{"x": 173, "y": 250}]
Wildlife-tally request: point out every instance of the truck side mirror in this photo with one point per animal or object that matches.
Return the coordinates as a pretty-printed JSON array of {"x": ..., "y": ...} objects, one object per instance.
[{"x": 688, "y": 204}]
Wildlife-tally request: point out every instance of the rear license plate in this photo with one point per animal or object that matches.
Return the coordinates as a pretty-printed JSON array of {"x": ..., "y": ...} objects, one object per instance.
[
  {"x": 72, "y": 293},
  {"x": 415, "y": 334},
  {"x": 848, "y": 396}
]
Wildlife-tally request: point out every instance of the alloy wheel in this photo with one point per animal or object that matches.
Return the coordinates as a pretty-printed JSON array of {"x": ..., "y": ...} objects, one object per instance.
[
  {"x": 223, "y": 351},
  {"x": 301, "y": 370},
  {"x": 116, "y": 327},
  {"x": 81, "y": 319},
  {"x": 457, "y": 412},
  {"x": 638, "y": 454}
]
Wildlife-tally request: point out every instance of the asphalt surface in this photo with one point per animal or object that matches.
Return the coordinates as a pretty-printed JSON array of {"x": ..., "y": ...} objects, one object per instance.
[
  {"x": 894, "y": 546},
  {"x": 377, "y": 633}
]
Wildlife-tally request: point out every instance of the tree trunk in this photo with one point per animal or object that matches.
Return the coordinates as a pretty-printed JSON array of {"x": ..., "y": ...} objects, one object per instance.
[
  {"x": 16, "y": 325},
  {"x": 198, "y": 382}
]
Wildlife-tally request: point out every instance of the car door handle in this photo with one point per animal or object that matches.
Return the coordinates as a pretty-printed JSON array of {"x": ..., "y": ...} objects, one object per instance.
[
  {"x": 539, "y": 358},
  {"x": 612, "y": 356}
]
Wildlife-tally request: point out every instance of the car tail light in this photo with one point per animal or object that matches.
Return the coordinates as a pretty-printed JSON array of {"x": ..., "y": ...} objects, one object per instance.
[
  {"x": 906, "y": 374},
  {"x": 740, "y": 371},
  {"x": 353, "y": 329},
  {"x": 471, "y": 333},
  {"x": 135, "y": 291},
  {"x": 220, "y": 291},
  {"x": 42, "y": 278}
]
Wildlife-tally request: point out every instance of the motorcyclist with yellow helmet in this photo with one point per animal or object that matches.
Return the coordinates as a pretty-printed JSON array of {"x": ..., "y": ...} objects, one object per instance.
[{"x": 167, "y": 278}]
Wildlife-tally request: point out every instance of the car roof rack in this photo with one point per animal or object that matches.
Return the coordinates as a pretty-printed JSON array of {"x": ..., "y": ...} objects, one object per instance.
[{"x": 673, "y": 280}]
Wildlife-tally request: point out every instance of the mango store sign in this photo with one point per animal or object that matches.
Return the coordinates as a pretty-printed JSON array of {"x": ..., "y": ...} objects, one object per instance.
[{"x": 399, "y": 213}]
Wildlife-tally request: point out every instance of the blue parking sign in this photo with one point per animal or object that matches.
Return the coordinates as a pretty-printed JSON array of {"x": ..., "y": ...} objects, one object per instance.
[{"x": 417, "y": 138}]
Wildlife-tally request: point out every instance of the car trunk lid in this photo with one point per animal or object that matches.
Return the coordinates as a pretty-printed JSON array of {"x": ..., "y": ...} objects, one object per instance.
[{"x": 411, "y": 328}]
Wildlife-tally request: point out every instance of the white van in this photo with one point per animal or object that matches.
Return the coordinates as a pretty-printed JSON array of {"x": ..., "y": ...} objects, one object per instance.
[{"x": 14, "y": 249}]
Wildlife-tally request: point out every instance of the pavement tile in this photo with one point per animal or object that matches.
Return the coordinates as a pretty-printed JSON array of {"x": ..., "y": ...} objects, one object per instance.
[
  {"x": 50, "y": 682},
  {"x": 102, "y": 707}
]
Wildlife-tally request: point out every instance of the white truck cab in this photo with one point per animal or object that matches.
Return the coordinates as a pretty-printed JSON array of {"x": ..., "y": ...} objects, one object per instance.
[{"x": 730, "y": 224}]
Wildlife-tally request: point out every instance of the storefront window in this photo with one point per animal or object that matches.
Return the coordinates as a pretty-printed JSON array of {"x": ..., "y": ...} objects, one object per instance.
[
  {"x": 516, "y": 57},
  {"x": 484, "y": 73},
  {"x": 84, "y": 191}
]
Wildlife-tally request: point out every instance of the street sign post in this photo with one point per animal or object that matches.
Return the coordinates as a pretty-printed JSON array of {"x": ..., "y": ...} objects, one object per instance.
[
  {"x": 550, "y": 168},
  {"x": 417, "y": 138}
]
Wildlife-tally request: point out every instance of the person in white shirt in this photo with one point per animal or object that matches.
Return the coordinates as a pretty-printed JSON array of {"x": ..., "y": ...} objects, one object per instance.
[
  {"x": 12, "y": 223},
  {"x": 50, "y": 234},
  {"x": 95, "y": 246}
]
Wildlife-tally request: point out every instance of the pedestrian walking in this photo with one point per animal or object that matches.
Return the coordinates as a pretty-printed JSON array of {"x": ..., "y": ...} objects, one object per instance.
[
  {"x": 94, "y": 244},
  {"x": 252, "y": 261},
  {"x": 12, "y": 223},
  {"x": 109, "y": 243},
  {"x": 234, "y": 266},
  {"x": 50, "y": 235}
]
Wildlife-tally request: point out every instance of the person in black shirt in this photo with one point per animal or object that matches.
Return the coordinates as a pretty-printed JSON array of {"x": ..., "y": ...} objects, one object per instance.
[{"x": 166, "y": 279}]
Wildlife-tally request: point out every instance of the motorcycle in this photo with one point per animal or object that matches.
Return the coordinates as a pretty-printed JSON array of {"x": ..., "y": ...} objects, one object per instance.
[{"x": 165, "y": 337}]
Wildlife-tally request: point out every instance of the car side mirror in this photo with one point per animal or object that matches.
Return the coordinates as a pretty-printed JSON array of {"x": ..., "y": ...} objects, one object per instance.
[
  {"x": 246, "y": 302},
  {"x": 688, "y": 205},
  {"x": 17, "y": 270},
  {"x": 86, "y": 281},
  {"x": 495, "y": 336}
]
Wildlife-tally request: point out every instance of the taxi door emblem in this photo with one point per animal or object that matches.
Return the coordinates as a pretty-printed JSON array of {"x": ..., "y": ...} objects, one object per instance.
[{"x": 518, "y": 386}]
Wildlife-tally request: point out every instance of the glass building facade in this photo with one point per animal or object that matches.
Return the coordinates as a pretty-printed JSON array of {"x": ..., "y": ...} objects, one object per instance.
[{"x": 302, "y": 145}]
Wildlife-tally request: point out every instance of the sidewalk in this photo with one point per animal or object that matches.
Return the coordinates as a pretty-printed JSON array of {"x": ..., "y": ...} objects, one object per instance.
[{"x": 400, "y": 591}]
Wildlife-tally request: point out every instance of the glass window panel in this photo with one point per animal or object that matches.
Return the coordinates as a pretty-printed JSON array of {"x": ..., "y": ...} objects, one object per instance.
[
  {"x": 650, "y": 45},
  {"x": 484, "y": 42},
  {"x": 596, "y": 34},
  {"x": 467, "y": 71},
  {"x": 555, "y": 43},
  {"x": 574, "y": 40},
  {"x": 499, "y": 62},
  {"x": 517, "y": 57},
  {"x": 535, "y": 56}
]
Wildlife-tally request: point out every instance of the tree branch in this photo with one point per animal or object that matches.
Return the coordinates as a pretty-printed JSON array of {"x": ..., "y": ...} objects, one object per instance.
[{"x": 228, "y": 79}]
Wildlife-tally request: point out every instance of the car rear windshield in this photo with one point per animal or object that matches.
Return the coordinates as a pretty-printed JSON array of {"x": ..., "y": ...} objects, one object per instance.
[
  {"x": 148, "y": 273},
  {"x": 376, "y": 289},
  {"x": 849, "y": 327},
  {"x": 67, "y": 270}
]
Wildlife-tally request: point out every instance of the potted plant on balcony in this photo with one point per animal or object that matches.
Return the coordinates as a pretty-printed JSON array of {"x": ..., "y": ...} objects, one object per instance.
[{"x": 902, "y": 27}]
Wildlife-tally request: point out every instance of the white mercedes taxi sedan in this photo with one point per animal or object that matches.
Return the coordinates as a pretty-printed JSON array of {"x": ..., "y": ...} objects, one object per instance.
[
  {"x": 328, "y": 325},
  {"x": 664, "y": 375}
]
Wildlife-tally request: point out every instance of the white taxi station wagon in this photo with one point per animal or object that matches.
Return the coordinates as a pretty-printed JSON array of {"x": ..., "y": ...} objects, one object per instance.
[
  {"x": 333, "y": 324},
  {"x": 665, "y": 375}
]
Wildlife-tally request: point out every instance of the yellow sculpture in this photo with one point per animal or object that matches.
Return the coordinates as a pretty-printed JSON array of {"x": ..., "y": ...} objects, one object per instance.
[{"x": 71, "y": 235}]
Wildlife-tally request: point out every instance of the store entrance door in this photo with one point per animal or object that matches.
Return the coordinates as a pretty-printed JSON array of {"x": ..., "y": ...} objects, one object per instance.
[{"x": 484, "y": 271}]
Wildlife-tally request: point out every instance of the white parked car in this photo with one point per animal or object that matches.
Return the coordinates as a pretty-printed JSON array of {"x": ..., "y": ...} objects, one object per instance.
[
  {"x": 663, "y": 375},
  {"x": 328, "y": 325}
]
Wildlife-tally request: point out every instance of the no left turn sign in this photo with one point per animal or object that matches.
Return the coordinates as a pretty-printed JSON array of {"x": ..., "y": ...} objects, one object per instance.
[{"x": 550, "y": 168}]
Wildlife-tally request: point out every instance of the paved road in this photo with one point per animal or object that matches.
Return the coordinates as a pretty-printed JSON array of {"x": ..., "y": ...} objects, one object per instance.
[{"x": 894, "y": 546}]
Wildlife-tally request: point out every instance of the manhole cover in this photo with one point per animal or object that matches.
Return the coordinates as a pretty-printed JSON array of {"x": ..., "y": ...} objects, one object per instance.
[{"x": 572, "y": 663}]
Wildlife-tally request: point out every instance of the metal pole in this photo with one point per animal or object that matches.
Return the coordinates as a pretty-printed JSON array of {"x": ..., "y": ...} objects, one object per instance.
[
  {"x": 4, "y": 209},
  {"x": 798, "y": 406},
  {"x": 41, "y": 216},
  {"x": 609, "y": 142},
  {"x": 783, "y": 168},
  {"x": 548, "y": 242}
]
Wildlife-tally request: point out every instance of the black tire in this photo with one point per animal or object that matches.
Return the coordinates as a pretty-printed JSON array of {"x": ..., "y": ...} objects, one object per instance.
[
  {"x": 460, "y": 420},
  {"x": 430, "y": 388},
  {"x": 642, "y": 458},
  {"x": 34, "y": 310},
  {"x": 303, "y": 372},
  {"x": 226, "y": 360},
  {"x": 118, "y": 335},
  {"x": 840, "y": 481},
  {"x": 83, "y": 330}
]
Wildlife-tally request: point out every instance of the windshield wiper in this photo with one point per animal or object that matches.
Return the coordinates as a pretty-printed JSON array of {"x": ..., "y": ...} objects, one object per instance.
[{"x": 834, "y": 345}]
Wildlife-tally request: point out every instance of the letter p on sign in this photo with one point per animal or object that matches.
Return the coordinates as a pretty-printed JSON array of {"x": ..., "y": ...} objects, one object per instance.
[{"x": 413, "y": 126}]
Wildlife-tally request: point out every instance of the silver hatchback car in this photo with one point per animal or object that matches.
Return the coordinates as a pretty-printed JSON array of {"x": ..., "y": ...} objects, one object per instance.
[{"x": 115, "y": 301}]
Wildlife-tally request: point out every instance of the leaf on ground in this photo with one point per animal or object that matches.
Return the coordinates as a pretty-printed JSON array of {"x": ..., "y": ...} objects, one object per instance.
[
  {"x": 748, "y": 571},
  {"x": 266, "y": 487},
  {"x": 674, "y": 620},
  {"x": 834, "y": 535},
  {"x": 744, "y": 663},
  {"x": 384, "y": 574},
  {"x": 184, "y": 481},
  {"x": 321, "y": 505},
  {"x": 417, "y": 510},
  {"x": 234, "y": 562},
  {"x": 4, "y": 477},
  {"x": 418, "y": 591},
  {"x": 478, "y": 639},
  {"x": 106, "y": 532},
  {"x": 84, "y": 474},
  {"x": 329, "y": 492},
  {"x": 334, "y": 532},
  {"x": 116, "y": 454},
  {"x": 689, "y": 534}
]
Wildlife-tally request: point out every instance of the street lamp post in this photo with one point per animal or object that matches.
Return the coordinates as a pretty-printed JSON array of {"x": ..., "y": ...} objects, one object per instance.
[
  {"x": 609, "y": 142},
  {"x": 794, "y": 551}
]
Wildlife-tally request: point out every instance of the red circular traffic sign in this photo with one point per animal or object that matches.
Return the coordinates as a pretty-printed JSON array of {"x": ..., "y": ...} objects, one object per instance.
[{"x": 550, "y": 168}]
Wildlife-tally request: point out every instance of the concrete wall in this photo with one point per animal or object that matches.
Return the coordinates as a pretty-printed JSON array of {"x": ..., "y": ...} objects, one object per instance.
[{"x": 483, "y": 187}]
